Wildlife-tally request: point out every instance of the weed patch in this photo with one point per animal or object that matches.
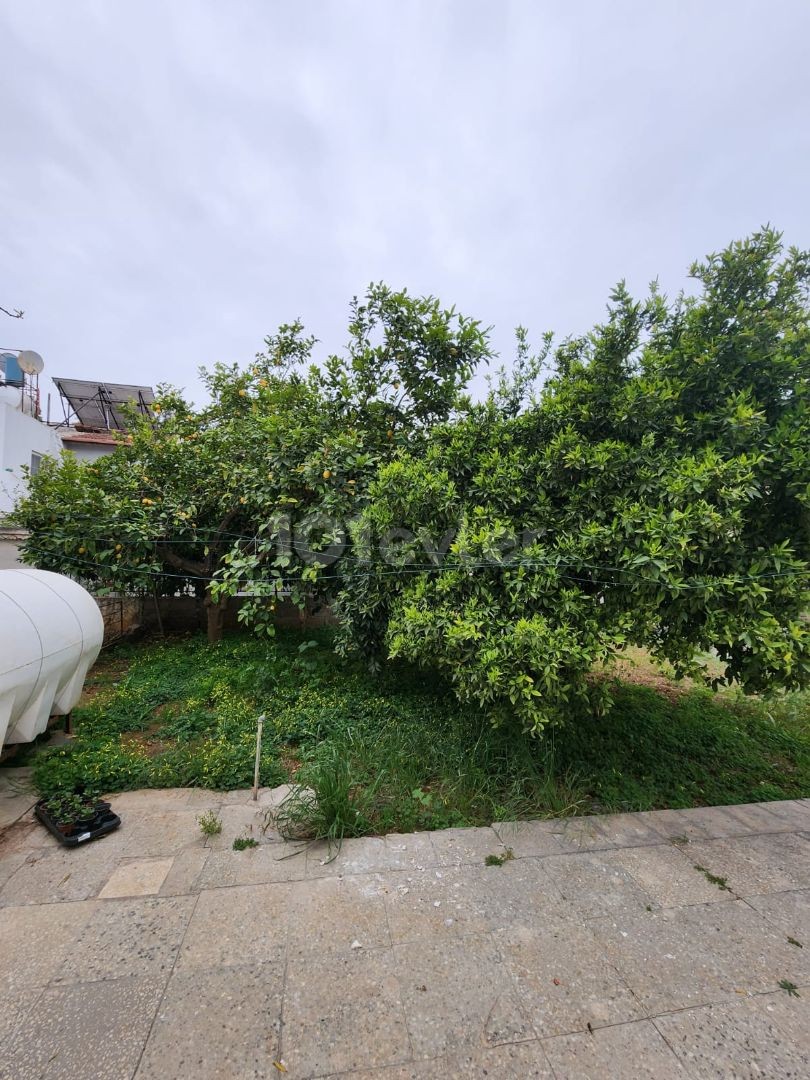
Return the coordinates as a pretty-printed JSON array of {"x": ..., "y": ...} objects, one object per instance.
[{"x": 397, "y": 751}]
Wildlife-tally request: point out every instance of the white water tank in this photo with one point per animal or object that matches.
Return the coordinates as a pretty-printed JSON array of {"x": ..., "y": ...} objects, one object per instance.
[{"x": 51, "y": 631}]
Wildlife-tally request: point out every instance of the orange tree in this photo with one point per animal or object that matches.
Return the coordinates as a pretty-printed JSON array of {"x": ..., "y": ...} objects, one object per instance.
[
  {"x": 656, "y": 494},
  {"x": 248, "y": 493}
]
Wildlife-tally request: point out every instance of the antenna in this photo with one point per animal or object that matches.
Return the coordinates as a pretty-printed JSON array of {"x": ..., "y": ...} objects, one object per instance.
[{"x": 30, "y": 362}]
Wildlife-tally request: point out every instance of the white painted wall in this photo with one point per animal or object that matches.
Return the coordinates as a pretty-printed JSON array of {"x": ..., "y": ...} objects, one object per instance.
[
  {"x": 20, "y": 437},
  {"x": 88, "y": 451},
  {"x": 9, "y": 553}
]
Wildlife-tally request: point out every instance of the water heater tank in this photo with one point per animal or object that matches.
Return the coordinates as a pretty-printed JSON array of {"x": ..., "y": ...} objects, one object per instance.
[{"x": 50, "y": 633}]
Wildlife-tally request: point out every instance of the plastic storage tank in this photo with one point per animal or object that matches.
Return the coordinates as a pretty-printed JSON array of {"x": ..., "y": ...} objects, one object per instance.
[{"x": 51, "y": 631}]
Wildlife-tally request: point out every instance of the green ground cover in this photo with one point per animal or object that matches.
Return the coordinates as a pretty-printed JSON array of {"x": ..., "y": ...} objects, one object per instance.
[{"x": 398, "y": 752}]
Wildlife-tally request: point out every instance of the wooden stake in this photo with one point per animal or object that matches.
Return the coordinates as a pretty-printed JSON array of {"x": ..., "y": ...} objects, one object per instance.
[{"x": 259, "y": 727}]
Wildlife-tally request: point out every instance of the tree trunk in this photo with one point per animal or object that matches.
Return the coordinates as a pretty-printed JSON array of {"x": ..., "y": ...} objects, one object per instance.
[{"x": 216, "y": 617}]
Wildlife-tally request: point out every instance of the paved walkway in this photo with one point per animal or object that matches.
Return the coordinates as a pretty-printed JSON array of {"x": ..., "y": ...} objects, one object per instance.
[{"x": 600, "y": 949}]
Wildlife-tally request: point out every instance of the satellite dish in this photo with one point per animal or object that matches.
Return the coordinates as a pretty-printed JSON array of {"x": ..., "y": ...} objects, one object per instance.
[{"x": 30, "y": 362}]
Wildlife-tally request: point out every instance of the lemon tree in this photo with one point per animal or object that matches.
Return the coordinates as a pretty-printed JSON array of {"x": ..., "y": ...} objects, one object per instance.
[
  {"x": 247, "y": 494},
  {"x": 656, "y": 493}
]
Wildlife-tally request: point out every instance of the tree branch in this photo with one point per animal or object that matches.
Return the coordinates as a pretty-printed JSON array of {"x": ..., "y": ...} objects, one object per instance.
[
  {"x": 185, "y": 566},
  {"x": 15, "y": 314}
]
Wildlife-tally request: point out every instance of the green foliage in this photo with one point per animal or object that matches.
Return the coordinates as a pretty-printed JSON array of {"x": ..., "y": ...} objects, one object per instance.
[
  {"x": 327, "y": 803},
  {"x": 230, "y": 494},
  {"x": 713, "y": 879},
  {"x": 242, "y": 843},
  {"x": 499, "y": 860},
  {"x": 210, "y": 824},
  {"x": 397, "y": 752},
  {"x": 656, "y": 495},
  {"x": 67, "y": 807}
]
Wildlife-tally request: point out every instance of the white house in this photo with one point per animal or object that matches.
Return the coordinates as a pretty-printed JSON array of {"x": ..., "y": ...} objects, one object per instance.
[{"x": 25, "y": 438}]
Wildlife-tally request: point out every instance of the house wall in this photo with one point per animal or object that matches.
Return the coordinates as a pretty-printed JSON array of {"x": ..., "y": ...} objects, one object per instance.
[
  {"x": 20, "y": 437},
  {"x": 88, "y": 451},
  {"x": 9, "y": 552}
]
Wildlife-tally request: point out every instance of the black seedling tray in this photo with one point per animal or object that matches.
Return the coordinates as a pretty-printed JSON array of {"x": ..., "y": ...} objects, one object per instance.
[{"x": 103, "y": 821}]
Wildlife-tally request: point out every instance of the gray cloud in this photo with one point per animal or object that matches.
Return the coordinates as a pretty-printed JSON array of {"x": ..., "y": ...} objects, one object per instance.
[{"x": 176, "y": 179}]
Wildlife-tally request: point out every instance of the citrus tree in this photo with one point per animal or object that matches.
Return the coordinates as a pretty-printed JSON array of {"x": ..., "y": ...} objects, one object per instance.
[
  {"x": 250, "y": 493},
  {"x": 656, "y": 494}
]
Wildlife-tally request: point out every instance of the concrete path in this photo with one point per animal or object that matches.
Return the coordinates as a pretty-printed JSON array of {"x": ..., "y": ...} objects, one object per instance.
[{"x": 632, "y": 945}]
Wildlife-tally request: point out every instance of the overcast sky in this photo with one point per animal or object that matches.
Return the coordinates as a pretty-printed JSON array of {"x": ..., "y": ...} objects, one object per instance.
[{"x": 176, "y": 178}]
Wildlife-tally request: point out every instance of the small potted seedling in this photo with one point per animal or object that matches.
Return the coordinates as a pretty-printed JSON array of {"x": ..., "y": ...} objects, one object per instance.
[
  {"x": 72, "y": 812},
  {"x": 74, "y": 817}
]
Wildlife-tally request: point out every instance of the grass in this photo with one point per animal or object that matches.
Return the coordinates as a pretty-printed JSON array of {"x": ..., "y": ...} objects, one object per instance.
[
  {"x": 242, "y": 843},
  {"x": 713, "y": 879},
  {"x": 398, "y": 752}
]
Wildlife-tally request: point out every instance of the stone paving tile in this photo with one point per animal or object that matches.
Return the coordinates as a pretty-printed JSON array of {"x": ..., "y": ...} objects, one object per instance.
[
  {"x": 527, "y": 838},
  {"x": 343, "y": 1012},
  {"x": 577, "y": 834},
  {"x": 757, "y": 864},
  {"x": 726, "y": 821},
  {"x": 128, "y": 938},
  {"x": 789, "y": 911},
  {"x": 37, "y": 939},
  {"x": 596, "y": 883},
  {"x": 217, "y": 1025},
  {"x": 202, "y": 799},
  {"x": 564, "y": 979},
  {"x": 792, "y": 814},
  {"x": 371, "y": 854},
  {"x": 446, "y": 903},
  {"x": 667, "y": 874},
  {"x": 761, "y": 1037},
  {"x": 184, "y": 875},
  {"x": 681, "y": 957},
  {"x": 26, "y": 835},
  {"x": 17, "y": 1004},
  {"x": 513, "y": 1061},
  {"x": 10, "y": 864},
  {"x": 17, "y": 794},
  {"x": 410, "y": 851},
  {"x": 634, "y": 1050},
  {"x": 436, "y": 904},
  {"x": 333, "y": 913},
  {"x": 238, "y": 820},
  {"x": 163, "y": 834},
  {"x": 137, "y": 877},
  {"x": 627, "y": 830},
  {"x": 674, "y": 825},
  {"x": 88, "y": 1030},
  {"x": 151, "y": 800},
  {"x": 243, "y": 925},
  {"x": 791, "y": 1015},
  {"x": 459, "y": 997},
  {"x": 272, "y": 797},
  {"x": 253, "y": 866},
  {"x": 461, "y": 847},
  {"x": 63, "y": 874},
  {"x": 356, "y": 855}
]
